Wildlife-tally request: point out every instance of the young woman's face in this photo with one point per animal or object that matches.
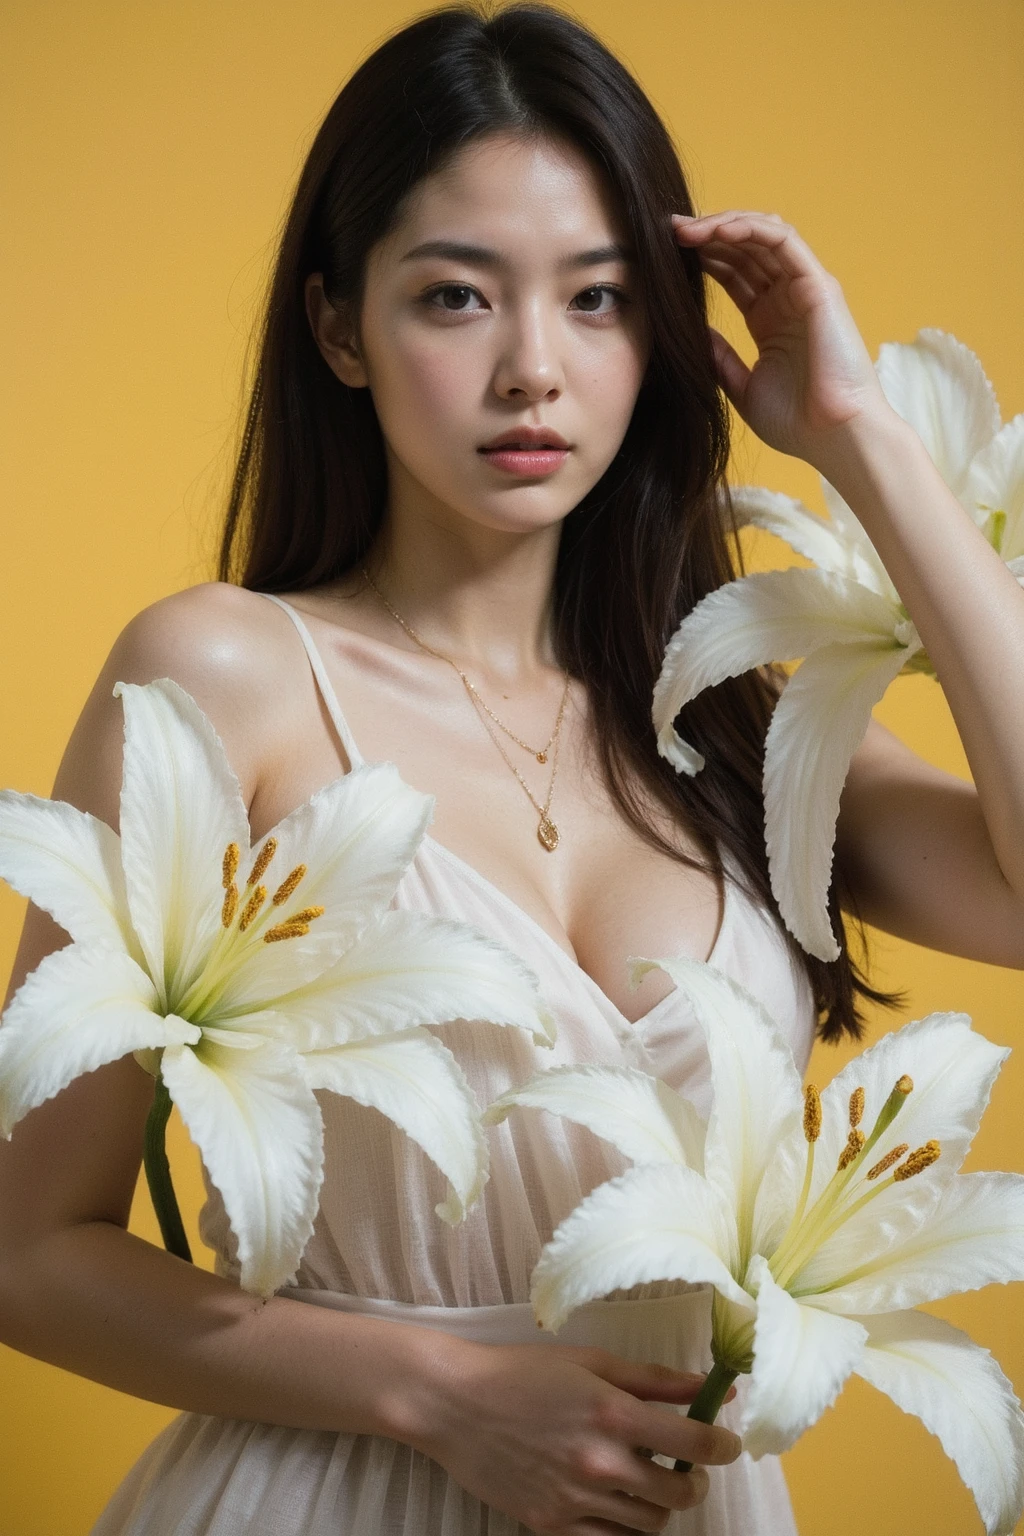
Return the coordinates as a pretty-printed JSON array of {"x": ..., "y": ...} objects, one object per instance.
[{"x": 504, "y": 299}]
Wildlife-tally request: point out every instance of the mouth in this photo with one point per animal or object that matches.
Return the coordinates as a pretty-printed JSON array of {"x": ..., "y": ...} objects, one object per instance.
[{"x": 524, "y": 458}]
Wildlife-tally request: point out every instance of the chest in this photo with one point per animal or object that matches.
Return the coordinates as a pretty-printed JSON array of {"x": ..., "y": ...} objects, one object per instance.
[{"x": 602, "y": 894}]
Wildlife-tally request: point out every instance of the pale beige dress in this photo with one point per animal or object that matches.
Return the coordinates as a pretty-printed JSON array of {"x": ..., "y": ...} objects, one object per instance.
[{"x": 379, "y": 1248}]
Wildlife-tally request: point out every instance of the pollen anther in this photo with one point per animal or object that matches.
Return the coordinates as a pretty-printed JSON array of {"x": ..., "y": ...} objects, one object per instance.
[
  {"x": 289, "y": 930},
  {"x": 288, "y": 885},
  {"x": 812, "y": 1112},
  {"x": 905, "y": 1084},
  {"x": 307, "y": 915},
  {"x": 229, "y": 906},
  {"x": 918, "y": 1161},
  {"x": 885, "y": 1163},
  {"x": 856, "y": 1107},
  {"x": 229, "y": 868},
  {"x": 263, "y": 858},
  {"x": 251, "y": 907},
  {"x": 853, "y": 1145}
]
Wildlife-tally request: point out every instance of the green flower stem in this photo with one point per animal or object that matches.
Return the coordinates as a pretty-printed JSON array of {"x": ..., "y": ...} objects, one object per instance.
[
  {"x": 158, "y": 1175},
  {"x": 708, "y": 1401}
]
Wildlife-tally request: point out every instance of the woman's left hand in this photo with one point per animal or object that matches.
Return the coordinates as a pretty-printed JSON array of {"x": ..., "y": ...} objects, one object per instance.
[{"x": 813, "y": 376}]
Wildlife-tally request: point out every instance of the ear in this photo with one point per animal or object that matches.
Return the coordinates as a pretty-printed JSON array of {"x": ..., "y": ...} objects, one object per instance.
[{"x": 335, "y": 334}]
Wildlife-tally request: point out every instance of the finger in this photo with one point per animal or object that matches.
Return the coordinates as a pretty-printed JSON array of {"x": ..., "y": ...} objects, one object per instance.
[
  {"x": 648, "y": 1379},
  {"x": 668, "y": 1489},
  {"x": 685, "y": 1439},
  {"x": 737, "y": 287},
  {"x": 755, "y": 261},
  {"x": 732, "y": 371},
  {"x": 793, "y": 254},
  {"x": 639, "y": 1514},
  {"x": 756, "y": 280}
]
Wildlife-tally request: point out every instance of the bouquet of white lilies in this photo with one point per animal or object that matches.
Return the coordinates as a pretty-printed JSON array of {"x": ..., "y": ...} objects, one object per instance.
[
  {"x": 844, "y": 616},
  {"x": 821, "y": 1221},
  {"x": 244, "y": 1001}
]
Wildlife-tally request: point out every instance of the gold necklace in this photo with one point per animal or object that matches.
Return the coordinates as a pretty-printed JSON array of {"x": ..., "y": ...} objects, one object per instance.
[{"x": 547, "y": 832}]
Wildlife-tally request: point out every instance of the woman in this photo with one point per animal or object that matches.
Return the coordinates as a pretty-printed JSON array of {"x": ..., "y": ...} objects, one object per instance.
[{"x": 492, "y": 237}]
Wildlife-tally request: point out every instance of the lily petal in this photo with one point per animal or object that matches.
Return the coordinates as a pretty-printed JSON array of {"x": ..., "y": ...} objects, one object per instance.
[
  {"x": 995, "y": 483},
  {"x": 789, "y": 519},
  {"x": 973, "y": 1237},
  {"x": 657, "y": 1222},
  {"x": 772, "y": 616},
  {"x": 801, "y": 1360},
  {"x": 959, "y": 1393},
  {"x": 69, "y": 863},
  {"x": 180, "y": 806},
  {"x": 939, "y": 386},
  {"x": 952, "y": 1068},
  {"x": 356, "y": 836},
  {"x": 756, "y": 1086},
  {"x": 867, "y": 563},
  {"x": 418, "y": 1084},
  {"x": 646, "y": 1119},
  {"x": 409, "y": 969},
  {"x": 78, "y": 1009},
  {"x": 815, "y": 729},
  {"x": 260, "y": 1132}
]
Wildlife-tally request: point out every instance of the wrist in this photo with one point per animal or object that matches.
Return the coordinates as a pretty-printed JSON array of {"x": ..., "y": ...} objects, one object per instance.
[
  {"x": 865, "y": 448},
  {"x": 414, "y": 1400}
]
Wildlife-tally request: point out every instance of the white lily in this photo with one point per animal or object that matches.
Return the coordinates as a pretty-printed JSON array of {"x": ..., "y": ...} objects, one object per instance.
[
  {"x": 845, "y": 617},
  {"x": 819, "y": 1239},
  {"x": 242, "y": 1003}
]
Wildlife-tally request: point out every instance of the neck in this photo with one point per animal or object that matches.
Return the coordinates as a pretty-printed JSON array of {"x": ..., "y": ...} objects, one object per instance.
[{"x": 481, "y": 596}]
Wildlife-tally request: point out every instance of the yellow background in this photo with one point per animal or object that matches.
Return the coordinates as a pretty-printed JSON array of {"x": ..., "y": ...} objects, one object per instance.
[{"x": 149, "y": 152}]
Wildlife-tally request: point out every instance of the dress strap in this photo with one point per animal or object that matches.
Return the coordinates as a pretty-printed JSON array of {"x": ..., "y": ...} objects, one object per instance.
[{"x": 323, "y": 682}]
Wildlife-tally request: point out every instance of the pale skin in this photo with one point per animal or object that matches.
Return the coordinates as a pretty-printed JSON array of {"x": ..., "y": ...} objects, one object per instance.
[{"x": 466, "y": 556}]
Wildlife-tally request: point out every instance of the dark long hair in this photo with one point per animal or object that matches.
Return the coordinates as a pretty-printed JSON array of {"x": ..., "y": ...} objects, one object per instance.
[{"x": 648, "y": 541}]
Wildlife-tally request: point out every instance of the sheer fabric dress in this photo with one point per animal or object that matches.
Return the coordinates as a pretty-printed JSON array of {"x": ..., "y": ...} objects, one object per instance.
[{"x": 378, "y": 1247}]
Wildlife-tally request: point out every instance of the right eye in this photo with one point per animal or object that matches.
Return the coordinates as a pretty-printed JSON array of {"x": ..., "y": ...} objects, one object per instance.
[{"x": 461, "y": 291}]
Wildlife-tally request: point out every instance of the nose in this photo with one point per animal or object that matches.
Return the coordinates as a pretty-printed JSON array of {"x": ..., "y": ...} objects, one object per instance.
[{"x": 530, "y": 365}]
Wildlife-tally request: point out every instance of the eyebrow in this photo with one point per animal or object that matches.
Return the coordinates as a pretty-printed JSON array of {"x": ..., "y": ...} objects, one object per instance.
[{"x": 481, "y": 256}]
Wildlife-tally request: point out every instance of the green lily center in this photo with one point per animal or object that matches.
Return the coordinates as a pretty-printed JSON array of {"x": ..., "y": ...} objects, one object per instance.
[
  {"x": 246, "y": 921},
  {"x": 847, "y": 1191}
]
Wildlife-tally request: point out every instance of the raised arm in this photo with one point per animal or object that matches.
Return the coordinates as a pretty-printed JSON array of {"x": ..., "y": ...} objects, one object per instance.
[
  {"x": 80, "y": 1291},
  {"x": 928, "y": 857}
]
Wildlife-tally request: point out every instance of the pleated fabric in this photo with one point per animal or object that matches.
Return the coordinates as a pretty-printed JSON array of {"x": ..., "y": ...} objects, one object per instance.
[{"x": 378, "y": 1246}]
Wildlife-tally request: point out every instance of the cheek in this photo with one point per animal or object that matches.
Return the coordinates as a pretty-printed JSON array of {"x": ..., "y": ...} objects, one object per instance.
[{"x": 425, "y": 394}]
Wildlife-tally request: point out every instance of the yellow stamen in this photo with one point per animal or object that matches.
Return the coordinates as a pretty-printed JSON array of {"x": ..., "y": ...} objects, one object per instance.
[
  {"x": 230, "y": 865},
  {"x": 918, "y": 1161},
  {"x": 905, "y": 1085},
  {"x": 854, "y": 1142},
  {"x": 263, "y": 858},
  {"x": 812, "y": 1112},
  {"x": 856, "y": 1107},
  {"x": 227, "y": 911},
  {"x": 885, "y": 1163},
  {"x": 288, "y": 885},
  {"x": 307, "y": 915},
  {"x": 251, "y": 907},
  {"x": 288, "y": 930}
]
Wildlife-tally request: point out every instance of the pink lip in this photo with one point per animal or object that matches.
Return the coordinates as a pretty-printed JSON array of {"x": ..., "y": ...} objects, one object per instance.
[
  {"x": 529, "y": 461},
  {"x": 525, "y": 437}
]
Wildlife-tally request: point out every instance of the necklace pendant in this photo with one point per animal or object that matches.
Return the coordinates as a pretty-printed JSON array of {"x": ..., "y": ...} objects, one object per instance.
[
  {"x": 542, "y": 757},
  {"x": 548, "y": 833}
]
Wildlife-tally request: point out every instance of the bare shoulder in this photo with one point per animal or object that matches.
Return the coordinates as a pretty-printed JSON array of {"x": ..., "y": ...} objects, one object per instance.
[{"x": 226, "y": 647}]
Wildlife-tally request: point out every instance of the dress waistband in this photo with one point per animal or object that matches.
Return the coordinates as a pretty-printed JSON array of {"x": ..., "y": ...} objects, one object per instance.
[{"x": 683, "y": 1316}]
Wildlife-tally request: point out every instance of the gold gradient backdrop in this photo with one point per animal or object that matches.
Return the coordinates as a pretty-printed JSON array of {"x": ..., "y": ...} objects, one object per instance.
[{"x": 148, "y": 155}]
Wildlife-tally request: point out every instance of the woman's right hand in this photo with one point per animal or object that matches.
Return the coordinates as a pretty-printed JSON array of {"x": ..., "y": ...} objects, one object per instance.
[{"x": 554, "y": 1435}]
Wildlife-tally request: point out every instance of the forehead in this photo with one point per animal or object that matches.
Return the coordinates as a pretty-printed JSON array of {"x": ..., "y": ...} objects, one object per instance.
[{"x": 526, "y": 198}]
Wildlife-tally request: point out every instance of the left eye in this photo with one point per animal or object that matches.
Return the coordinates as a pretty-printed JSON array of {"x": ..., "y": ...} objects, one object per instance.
[{"x": 598, "y": 290}]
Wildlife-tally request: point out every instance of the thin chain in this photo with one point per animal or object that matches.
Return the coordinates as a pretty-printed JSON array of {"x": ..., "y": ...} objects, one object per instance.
[{"x": 547, "y": 832}]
